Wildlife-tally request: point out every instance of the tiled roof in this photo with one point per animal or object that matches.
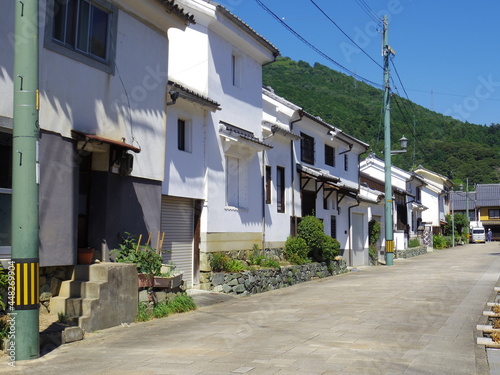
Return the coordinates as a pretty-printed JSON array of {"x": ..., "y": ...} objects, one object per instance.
[
  {"x": 194, "y": 96},
  {"x": 176, "y": 9},
  {"x": 458, "y": 200},
  {"x": 488, "y": 195},
  {"x": 251, "y": 31}
]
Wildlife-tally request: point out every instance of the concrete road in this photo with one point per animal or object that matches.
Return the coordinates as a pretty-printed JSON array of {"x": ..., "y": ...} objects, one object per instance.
[{"x": 416, "y": 317}]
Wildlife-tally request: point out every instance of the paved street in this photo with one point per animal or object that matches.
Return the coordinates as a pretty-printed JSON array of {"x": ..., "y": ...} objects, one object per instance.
[{"x": 416, "y": 317}]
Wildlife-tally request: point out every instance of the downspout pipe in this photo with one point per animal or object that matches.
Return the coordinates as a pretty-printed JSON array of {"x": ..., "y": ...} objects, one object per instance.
[
  {"x": 349, "y": 228},
  {"x": 292, "y": 165}
]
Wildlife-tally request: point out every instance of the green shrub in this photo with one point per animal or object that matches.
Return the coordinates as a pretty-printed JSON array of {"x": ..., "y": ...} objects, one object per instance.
[
  {"x": 180, "y": 303},
  {"x": 373, "y": 253},
  {"x": 218, "y": 262},
  {"x": 145, "y": 257},
  {"x": 143, "y": 312},
  {"x": 322, "y": 248},
  {"x": 234, "y": 265},
  {"x": 296, "y": 250},
  {"x": 414, "y": 242},
  {"x": 439, "y": 242},
  {"x": 270, "y": 263}
]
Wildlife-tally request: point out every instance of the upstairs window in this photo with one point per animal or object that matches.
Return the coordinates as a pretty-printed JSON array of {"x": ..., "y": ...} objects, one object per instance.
[
  {"x": 83, "y": 30},
  {"x": 494, "y": 214},
  {"x": 280, "y": 187},
  {"x": 268, "y": 184},
  {"x": 307, "y": 149},
  {"x": 346, "y": 162},
  {"x": 329, "y": 156},
  {"x": 236, "y": 70},
  {"x": 183, "y": 135},
  {"x": 83, "y": 26}
]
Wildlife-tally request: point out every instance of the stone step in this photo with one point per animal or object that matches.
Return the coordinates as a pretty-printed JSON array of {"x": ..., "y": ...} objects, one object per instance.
[
  {"x": 72, "y": 307},
  {"x": 92, "y": 289},
  {"x": 88, "y": 306},
  {"x": 84, "y": 323},
  {"x": 71, "y": 289},
  {"x": 81, "y": 272}
]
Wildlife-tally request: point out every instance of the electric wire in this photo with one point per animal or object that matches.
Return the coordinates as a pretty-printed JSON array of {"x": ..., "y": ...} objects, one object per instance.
[
  {"x": 316, "y": 49},
  {"x": 369, "y": 11},
  {"x": 345, "y": 34}
]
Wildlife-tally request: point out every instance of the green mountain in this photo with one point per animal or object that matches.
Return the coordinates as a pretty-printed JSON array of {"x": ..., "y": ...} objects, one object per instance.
[{"x": 440, "y": 143}]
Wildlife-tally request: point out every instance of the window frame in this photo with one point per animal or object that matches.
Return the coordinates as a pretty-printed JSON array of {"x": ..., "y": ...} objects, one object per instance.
[
  {"x": 108, "y": 64},
  {"x": 490, "y": 216},
  {"x": 330, "y": 155},
  {"x": 184, "y": 135},
  {"x": 307, "y": 148},
  {"x": 236, "y": 183},
  {"x": 268, "y": 184},
  {"x": 280, "y": 189},
  {"x": 236, "y": 69}
]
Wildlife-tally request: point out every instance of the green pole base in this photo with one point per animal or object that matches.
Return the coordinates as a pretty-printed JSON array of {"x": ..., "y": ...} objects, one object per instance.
[
  {"x": 26, "y": 343},
  {"x": 389, "y": 259}
]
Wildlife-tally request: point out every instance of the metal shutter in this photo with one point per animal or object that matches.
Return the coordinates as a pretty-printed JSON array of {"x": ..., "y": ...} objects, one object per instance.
[{"x": 177, "y": 221}]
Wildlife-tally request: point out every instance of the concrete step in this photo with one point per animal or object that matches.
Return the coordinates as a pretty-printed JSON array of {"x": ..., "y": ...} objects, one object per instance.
[
  {"x": 80, "y": 272},
  {"x": 66, "y": 305},
  {"x": 88, "y": 306},
  {"x": 92, "y": 289},
  {"x": 70, "y": 289}
]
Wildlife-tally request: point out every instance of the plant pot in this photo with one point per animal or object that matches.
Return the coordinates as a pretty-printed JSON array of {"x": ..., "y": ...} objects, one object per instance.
[
  {"x": 85, "y": 255},
  {"x": 145, "y": 280},
  {"x": 162, "y": 282}
]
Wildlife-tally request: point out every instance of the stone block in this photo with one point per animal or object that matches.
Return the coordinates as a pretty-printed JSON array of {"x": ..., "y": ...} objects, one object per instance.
[
  {"x": 218, "y": 278},
  {"x": 71, "y": 334}
]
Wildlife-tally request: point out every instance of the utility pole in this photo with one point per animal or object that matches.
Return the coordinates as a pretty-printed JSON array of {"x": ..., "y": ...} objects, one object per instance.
[
  {"x": 25, "y": 179},
  {"x": 389, "y": 234}
]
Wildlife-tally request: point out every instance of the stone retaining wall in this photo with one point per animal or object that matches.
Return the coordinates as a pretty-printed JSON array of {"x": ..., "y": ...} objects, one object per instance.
[
  {"x": 410, "y": 253},
  {"x": 251, "y": 282}
]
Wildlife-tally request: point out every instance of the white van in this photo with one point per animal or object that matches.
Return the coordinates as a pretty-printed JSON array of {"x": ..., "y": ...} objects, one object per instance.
[{"x": 477, "y": 235}]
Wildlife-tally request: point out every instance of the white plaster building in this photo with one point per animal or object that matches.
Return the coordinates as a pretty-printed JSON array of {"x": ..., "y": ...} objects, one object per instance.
[
  {"x": 407, "y": 208},
  {"x": 312, "y": 169},
  {"x": 435, "y": 196},
  {"x": 102, "y": 77},
  {"x": 223, "y": 64}
]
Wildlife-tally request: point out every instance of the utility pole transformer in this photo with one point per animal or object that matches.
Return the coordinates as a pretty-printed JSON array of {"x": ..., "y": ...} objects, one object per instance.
[
  {"x": 389, "y": 233},
  {"x": 25, "y": 180}
]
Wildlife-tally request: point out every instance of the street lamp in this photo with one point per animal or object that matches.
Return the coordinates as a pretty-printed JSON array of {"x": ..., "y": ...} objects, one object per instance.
[{"x": 403, "y": 142}]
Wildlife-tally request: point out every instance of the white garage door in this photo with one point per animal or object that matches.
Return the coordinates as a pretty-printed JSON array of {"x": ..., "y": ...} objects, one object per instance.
[{"x": 177, "y": 221}]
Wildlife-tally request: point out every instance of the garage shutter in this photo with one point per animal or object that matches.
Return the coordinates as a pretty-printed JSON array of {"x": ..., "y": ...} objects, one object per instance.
[{"x": 177, "y": 221}]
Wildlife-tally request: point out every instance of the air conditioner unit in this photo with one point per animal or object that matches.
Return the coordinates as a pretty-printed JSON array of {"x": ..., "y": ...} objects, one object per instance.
[{"x": 126, "y": 164}]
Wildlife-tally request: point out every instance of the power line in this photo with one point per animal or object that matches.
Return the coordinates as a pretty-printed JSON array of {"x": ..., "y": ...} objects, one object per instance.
[
  {"x": 369, "y": 11},
  {"x": 361, "y": 78},
  {"x": 342, "y": 31}
]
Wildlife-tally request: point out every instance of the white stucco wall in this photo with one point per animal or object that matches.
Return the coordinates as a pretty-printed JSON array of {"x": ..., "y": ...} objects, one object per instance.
[{"x": 128, "y": 104}]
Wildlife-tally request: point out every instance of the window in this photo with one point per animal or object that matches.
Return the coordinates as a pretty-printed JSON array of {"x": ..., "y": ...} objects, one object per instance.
[
  {"x": 333, "y": 226},
  {"x": 346, "y": 162},
  {"x": 329, "y": 156},
  {"x": 307, "y": 149},
  {"x": 183, "y": 135},
  {"x": 280, "y": 187},
  {"x": 82, "y": 29},
  {"x": 236, "y": 182},
  {"x": 268, "y": 184},
  {"x": 236, "y": 70},
  {"x": 5, "y": 192},
  {"x": 418, "y": 195},
  {"x": 494, "y": 214}
]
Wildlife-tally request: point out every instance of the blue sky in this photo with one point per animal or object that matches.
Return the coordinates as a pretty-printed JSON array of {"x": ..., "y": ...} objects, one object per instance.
[{"x": 447, "y": 52}]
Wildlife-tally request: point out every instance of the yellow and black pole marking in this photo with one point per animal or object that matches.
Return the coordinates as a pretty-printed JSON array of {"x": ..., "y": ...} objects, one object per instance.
[
  {"x": 27, "y": 290},
  {"x": 389, "y": 246}
]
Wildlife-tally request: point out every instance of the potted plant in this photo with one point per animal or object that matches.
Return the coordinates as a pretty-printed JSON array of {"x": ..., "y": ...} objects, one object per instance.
[{"x": 147, "y": 259}]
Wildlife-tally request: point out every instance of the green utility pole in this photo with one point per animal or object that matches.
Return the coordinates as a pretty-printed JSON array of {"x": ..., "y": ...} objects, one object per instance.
[
  {"x": 389, "y": 235},
  {"x": 25, "y": 183}
]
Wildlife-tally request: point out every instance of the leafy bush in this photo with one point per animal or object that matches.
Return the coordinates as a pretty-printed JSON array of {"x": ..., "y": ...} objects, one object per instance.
[
  {"x": 296, "y": 250},
  {"x": 414, "y": 242},
  {"x": 258, "y": 259},
  {"x": 439, "y": 242},
  {"x": 330, "y": 249},
  {"x": 218, "y": 262},
  {"x": 234, "y": 265},
  {"x": 144, "y": 256},
  {"x": 374, "y": 229},
  {"x": 4, "y": 280},
  {"x": 322, "y": 248},
  {"x": 373, "y": 253}
]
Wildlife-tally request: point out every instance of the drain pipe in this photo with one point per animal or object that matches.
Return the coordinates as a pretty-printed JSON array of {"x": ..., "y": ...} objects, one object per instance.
[
  {"x": 349, "y": 229},
  {"x": 292, "y": 164}
]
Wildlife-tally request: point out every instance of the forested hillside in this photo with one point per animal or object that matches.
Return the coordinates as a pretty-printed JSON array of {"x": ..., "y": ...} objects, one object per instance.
[{"x": 453, "y": 148}]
